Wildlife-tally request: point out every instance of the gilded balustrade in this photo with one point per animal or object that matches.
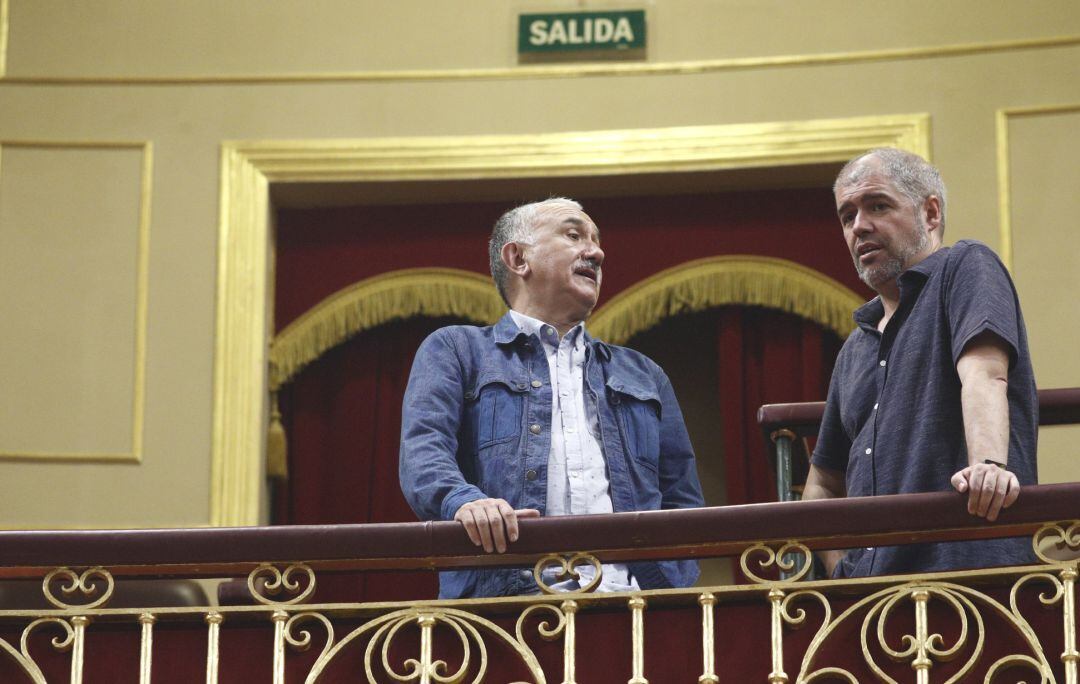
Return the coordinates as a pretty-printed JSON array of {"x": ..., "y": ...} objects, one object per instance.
[{"x": 921, "y": 628}]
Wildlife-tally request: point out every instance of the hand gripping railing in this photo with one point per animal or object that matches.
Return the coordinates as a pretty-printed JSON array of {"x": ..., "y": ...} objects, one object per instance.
[{"x": 785, "y": 425}]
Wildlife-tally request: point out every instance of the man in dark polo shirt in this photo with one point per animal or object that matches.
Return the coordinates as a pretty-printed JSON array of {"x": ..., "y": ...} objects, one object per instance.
[{"x": 934, "y": 388}]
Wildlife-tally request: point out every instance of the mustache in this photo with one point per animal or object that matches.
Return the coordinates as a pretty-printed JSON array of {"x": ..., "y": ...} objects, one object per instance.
[{"x": 588, "y": 263}]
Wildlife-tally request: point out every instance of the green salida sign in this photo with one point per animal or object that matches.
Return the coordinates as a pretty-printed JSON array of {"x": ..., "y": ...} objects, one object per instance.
[{"x": 573, "y": 32}]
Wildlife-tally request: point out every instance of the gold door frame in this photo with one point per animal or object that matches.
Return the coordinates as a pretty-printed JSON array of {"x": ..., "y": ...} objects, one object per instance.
[{"x": 248, "y": 168}]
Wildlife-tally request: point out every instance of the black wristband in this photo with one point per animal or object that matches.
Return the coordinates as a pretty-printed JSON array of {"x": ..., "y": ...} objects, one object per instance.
[{"x": 990, "y": 461}]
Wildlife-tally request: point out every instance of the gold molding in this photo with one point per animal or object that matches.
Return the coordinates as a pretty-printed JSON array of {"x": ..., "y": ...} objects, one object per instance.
[
  {"x": 1004, "y": 173},
  {"x": 688, "y": 67},
  {"x": 248, "y": 168},
  {"x": 142, "y": 281},
  {"x": 3, "y": 38}
]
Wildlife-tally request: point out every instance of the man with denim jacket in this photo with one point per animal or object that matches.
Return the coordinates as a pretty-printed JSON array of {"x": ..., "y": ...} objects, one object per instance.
[{"x": 533, "y": 417}]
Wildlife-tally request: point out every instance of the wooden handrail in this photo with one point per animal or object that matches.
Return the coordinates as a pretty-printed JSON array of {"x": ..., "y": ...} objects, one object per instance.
[
  {"x": 1056, "y": 407},
  {"x": 702, "y": 532}
]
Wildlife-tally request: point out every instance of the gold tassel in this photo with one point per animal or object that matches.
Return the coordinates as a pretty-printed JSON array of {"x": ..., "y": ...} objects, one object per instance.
[{"x": 277, "y": 463}]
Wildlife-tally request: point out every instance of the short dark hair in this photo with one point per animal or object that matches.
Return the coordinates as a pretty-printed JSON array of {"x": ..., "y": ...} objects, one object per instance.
[
  {"x": 515, "y": 226},
  {"x": 912, "y": 175}
]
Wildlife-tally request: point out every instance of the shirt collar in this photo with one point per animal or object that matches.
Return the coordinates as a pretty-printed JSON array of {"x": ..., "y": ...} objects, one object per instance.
[
  {"x": 545, "y": 331},
  {"x": 910, "y": 281}
]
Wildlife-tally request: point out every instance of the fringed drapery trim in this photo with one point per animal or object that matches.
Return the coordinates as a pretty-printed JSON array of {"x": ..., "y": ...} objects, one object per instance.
[
  {"x": 387, "y": 297},
  {"x": 727, "y": 280}
]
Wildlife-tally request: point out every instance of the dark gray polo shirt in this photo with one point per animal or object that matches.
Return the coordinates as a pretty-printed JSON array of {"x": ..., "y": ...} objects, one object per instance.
[{"x": 893, "y": 421}]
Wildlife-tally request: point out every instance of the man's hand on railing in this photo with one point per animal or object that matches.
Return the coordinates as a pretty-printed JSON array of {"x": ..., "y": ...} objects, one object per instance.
[
  {"x": 491, "y": 522},
  {"x": 989, "y": 489}
]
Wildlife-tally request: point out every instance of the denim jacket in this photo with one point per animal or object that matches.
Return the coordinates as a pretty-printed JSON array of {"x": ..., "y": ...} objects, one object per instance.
[{"x": 476, "y": 423}]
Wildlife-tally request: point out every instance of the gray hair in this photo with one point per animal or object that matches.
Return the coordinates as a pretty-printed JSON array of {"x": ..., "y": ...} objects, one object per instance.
[
  {"x": 515, "y": 225},
  {"x": 912, "y": 175}
]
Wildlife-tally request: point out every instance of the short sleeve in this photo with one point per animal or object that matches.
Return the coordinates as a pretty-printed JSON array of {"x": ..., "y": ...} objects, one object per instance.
[
  {"x": 833, "y": 444},
  {"x": 980, "y": 297}
]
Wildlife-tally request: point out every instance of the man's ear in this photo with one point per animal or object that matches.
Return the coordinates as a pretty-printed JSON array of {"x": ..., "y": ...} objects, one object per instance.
[
  {"x": 932, "y": 215},
  {"x": 513, "y": 257}
]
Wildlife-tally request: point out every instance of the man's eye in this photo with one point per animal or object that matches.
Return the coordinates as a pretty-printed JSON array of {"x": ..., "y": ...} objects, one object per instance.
[
  {"x": 573, "y": 236},
  {"x": 880, "y": 206}
]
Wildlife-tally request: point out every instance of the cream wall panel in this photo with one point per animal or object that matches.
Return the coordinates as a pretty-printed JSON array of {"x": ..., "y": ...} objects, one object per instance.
[
  {"x": 1044, "y": 177},
  {"x": 188, "y": 124},
  {"x": 51, "y": 38},
  {"x": 72, "y": 240}
]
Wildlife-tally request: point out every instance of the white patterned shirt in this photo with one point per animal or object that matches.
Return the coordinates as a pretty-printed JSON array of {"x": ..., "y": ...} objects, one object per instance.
[{"x": 577, "y": 480}]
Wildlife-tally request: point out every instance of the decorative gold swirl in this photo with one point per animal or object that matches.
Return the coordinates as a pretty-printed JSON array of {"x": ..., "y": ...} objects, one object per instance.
[
  {"x": 1014, "y": 661},
  {"x": 827, "y": 672},
  {"x": 274, "y": 582},
  {"x": 425, "y": 668},
  {"x": 22, "y": 656},
  {"x": 1057, "y": 535},
  {"x": 82, "y": 583},
  {"x": 302, "y": 640},
  {"x": 568, "y": 570},
  {"x": 546, "y": 631},
  {"x": 466, "y": 626},
  {"x": 781, "y": 558},
  {"x": 1047, "y": 600},
  {"x": 923, "y": 648}
]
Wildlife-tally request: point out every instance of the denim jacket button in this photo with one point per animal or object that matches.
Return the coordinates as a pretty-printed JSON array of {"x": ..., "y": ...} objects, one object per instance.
[
  {"x": 534, "y": 428},
  {"x": 521, "y": 385},
  {"x": 537, "y": 383},
  {"x": 530, "y": 475}
]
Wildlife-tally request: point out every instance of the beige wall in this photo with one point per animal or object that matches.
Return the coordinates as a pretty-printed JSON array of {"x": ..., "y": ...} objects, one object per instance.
[{"x": 185, "y": 77}]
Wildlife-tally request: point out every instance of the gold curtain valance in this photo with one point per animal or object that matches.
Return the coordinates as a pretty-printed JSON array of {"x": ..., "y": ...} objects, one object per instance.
[
  {"x": 741, "y": 279},
  {"x": 371, "y": 302},
  {"x": 693, "y": 286}
]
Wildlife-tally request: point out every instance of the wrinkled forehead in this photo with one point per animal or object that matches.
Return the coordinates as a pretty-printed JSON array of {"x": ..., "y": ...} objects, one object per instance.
[{"x": 556, "y": 214}]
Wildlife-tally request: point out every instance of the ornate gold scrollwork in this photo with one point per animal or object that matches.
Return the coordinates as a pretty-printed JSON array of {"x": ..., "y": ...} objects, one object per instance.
[
  {"x": 923, "y": 648},
  {"x": 544, "y": 628},
  {"x": 782, "y": 558},
  {"x": 273, "y": 582},
  {"x": 465, "y": 626},
  {"x": 568, "y": 570},
  {"x": 301, "y": 641},
  {"x": 22, "y": 656},
  {"x": 1057, "y": 535},
  {"x": 82, "y": 583}
]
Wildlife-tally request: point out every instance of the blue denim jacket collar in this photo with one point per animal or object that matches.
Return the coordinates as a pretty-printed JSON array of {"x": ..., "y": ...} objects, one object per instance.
[{"x": 506, "y": 331}]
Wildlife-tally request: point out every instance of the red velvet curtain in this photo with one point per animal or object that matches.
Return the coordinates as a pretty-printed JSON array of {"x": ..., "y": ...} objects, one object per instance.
[
  {"x": 764, "y": 357},
  {"x": 342, "y": 417}
]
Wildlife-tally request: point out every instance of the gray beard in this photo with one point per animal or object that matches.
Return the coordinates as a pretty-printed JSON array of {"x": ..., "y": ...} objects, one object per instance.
[{"x": 894, "y": 266}]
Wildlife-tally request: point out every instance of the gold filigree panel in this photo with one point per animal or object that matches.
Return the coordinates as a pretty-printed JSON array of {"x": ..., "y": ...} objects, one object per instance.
[
  {"x": 248, "y": 168},
  {"x": 939, "y": 627},
  {"x": 74, "y": 240}
]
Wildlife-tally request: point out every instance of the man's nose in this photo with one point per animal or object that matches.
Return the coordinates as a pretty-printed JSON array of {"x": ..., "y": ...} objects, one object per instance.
[
  {"x": 860, "y": 225},
  {"x": 593, "y": 252}
]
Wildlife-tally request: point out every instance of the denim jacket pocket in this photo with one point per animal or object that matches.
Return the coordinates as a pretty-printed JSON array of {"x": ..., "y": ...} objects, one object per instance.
[
  {"x": 498, "y": 403},
  {"x": 638, "y": 410}
]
